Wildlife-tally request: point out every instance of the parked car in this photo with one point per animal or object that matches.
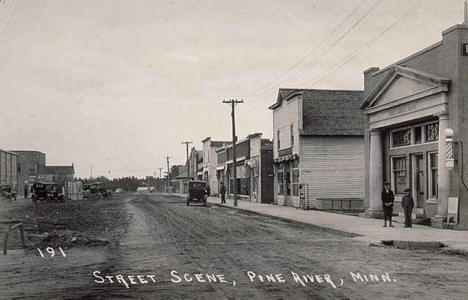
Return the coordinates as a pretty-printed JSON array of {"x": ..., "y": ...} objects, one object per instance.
[
  {"x": 46, "y": 191},
  {"x": 95, "y": 190},
  {"x": 197, "y": 192}
]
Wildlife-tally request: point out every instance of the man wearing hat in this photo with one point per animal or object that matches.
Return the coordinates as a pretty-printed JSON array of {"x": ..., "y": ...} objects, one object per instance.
[
  {"x": 408, "y": 204},
  {"x": 387, "y": 204}
]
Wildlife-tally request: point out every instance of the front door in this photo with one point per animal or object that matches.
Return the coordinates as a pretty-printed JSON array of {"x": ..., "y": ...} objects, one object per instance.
[{"x": 419, "y": 180}]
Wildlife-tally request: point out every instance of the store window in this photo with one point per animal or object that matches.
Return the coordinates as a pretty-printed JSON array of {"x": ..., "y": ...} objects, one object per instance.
[
  {"x": 433, "y": 174},
  {"x": 295, "y": 178},
  {"x": 400, "y": 174},
  {"x": 280, "y": 182},
  {"x": 432, "y": 132},
  {"x": 401, "y": 137}
]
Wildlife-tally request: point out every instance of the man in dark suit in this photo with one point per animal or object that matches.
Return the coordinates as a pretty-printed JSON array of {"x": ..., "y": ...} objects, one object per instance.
[
  {"x": 408, "y": 204},
  {"x": 387, "y": 203},
  {"x": 222, "y": 191}
]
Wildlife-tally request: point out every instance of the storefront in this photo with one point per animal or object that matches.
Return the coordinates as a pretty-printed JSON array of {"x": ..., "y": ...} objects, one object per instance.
[
  {"x": 416, "y": 133},
  {"x": 287, "y": 180}
]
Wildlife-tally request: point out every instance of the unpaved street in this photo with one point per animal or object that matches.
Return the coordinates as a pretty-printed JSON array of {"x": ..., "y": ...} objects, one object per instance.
[{"x": 163, "y": 235}]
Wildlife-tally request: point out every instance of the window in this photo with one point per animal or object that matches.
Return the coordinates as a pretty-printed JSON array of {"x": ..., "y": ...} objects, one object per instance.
[
  {"x": 432, "y": 132},
  {"x": 32, "y": 168},
  {"x": 433, "y": 174},
  {"x": 279, "y": 176},
  {"x": 292, "y": 134},
  {"x": 401, "y": 137},
  {"x": 278, "y": 139},
  {"x": 400, "y": 182},
  {"x": 417, "y": 135}
]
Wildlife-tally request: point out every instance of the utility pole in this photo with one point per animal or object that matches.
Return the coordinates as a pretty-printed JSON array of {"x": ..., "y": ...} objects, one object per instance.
[
  {"x": 466, "y": 12},
  {"x": 233, "y": 103},
  {"x": 168, "y": 175},
  {"x": 188, "y": 163},
  {"x": 160, "y": 177}
]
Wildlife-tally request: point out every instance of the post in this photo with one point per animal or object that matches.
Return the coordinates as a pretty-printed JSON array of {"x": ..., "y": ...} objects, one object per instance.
[
  {"x": 466, "y": 12},
  {"x": 188, "y": 163},
  {"x": 160, "y": 177},
  {"x": 233, "y": 102},
  {"x": 168, "y": 175},
  {"x": 443, "y": 181}
]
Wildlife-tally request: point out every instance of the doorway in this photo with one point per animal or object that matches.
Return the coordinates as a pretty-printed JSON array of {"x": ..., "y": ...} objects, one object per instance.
[{"x": 419, "y": 182}]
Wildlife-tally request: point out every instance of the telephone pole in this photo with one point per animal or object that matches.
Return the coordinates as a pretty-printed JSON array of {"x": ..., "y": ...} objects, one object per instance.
[
  {"x": 466, "y": 12},
  {"x": 188, "y": 163},
  {"x": 168, "y": 175},
  {"x": 160, "y": 177},
  {"x": 233, "y": 103}
]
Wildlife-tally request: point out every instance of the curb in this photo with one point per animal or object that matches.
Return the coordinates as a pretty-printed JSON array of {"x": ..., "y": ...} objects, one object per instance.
[{"x": 291, "y": 221}]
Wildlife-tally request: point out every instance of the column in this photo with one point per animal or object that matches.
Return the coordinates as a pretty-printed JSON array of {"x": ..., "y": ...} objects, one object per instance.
[
  {"x": 375, "y": 173},
  {"x": 443, "y": 173}
]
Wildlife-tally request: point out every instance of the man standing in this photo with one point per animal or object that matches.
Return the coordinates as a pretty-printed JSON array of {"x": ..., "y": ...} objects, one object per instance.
[
  {"x": 408, "y": 204},
  {"x": 222, "y": 191},
  {"x": 387, "y": 204}
]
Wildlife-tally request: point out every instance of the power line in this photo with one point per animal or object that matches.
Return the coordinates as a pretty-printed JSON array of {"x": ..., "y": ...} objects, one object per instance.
[
  {"x": 268, "y": 85},
  {"x": 312, "y": 63},
  {"x": 348, "y": 58}
]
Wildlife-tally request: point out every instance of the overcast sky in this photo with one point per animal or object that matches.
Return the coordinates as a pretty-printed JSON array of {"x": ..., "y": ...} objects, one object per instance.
[{"x": 118, "y": 84}]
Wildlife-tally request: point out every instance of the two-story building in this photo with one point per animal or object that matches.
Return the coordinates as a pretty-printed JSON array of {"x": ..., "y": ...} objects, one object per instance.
[
  {"x": 31, "y": 167},
  {"x": 318, "y": 148},
  {"x": 254, "y": 169},
  {"x": 195, "y": 164},
  {"x": 416, "y": 129},
  {"x": 210, "y": 162}
]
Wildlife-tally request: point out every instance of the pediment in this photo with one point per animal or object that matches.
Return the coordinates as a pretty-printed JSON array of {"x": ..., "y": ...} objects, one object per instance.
[
  {"x": 402, "y": 84},
  {"x": 401, "y": 87}
]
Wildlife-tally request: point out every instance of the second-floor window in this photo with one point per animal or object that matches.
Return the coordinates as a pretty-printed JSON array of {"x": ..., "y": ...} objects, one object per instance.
[
  {"x": 278, "y": 139},
  {"x": 292, "y": 134}
]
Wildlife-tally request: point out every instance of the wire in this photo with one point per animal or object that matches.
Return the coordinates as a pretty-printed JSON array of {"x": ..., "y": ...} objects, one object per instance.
[
  {"x": 312, "y": 63},
  {"x": 8, "y": 16},
  {"x": 310, "y": 51},
  {"x": 347, "y": 59}
]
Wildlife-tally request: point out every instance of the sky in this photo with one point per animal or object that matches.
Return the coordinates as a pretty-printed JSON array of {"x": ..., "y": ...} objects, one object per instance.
[{"x": 119, "y": 84}]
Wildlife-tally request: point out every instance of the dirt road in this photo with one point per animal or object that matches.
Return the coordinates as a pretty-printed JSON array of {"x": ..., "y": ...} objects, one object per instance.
[{"x": 225, "y": 253}]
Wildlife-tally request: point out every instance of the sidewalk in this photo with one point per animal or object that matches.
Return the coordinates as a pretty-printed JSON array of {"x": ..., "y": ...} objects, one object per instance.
[{"x": 368, "y": 230}]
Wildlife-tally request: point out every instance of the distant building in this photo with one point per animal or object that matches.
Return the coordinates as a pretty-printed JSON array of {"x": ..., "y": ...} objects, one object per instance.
[
  {"x": 254, "y": 169},
  {"x": 31, "y": 167},
  {"x": 8, "y": 171},
  {"x": 318, "y": 148},
  {"x": 196, "y": 164},
  {"x": 60, "y": 174},
  {"x": 180, "y": 182},
  {"x": 210, "y": 162},
  {"x": 417, "y": 130}
]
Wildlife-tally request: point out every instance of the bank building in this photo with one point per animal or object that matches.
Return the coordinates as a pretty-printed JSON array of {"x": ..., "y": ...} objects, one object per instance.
[{"x": 416, "y": 131}]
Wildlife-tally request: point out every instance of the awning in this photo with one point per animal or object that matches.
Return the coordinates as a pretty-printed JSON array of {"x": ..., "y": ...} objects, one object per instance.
[{"x": 286, "y": 158}]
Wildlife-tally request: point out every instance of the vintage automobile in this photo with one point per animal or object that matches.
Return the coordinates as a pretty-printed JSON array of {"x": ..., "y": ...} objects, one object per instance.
[
  {"x": 197, "y": 192},
  {"x": 46, "y": 191},
  {"x": 95, "y": 190}
]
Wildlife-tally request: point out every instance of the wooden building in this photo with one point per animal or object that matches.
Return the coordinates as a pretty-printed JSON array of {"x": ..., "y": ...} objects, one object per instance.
[
  {"x": 254, "y": 168},
  {"x": 318, "y": 148}
]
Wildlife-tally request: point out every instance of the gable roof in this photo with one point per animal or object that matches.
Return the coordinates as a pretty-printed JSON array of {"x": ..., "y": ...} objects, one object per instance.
[
  {"x": 396, "y": 71},
  {"x": 284, "y": 94},
  {"x": 66, "y": 170}
]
